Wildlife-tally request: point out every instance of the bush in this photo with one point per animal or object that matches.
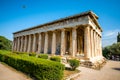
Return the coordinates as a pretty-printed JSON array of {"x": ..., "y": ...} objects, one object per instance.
[
  {"x": 55, "y": 58},
  {"x": 40, "y": 68},
  {"x": 43, "y": 56},
  {"x": 20, "y": 52},
  {"x": 74, "y": 63},
  {"x": 32, "y": 54}
]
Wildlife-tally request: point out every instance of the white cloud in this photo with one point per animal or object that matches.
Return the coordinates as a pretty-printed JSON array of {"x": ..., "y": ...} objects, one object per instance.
[
  {"x": 109, "y": 37},
  {"x": 109, "y": 33}
]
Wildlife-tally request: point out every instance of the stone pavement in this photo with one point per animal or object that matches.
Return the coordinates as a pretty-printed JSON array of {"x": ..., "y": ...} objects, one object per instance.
[
  {"x": 8, "y": 73},
  {"x": 110, "y": 71}
]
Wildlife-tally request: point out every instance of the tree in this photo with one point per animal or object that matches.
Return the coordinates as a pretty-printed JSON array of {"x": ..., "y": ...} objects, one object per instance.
[
  {"x": 114, "y": 49},
  {"x": 106, "y": 51},
  {"x": 5, "y": 44},
  {"x": 118, "y": 37}
]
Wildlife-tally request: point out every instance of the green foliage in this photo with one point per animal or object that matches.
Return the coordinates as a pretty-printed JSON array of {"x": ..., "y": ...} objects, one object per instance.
[
  {"x": 20, "y": 52},
  {"x": 43, "y": 56},
  {"x": 113, "y": 49},
  {"x": 5, "y": 44},
  {"x": 74, "y": 63},
  {"x": 40, "y": 68},
  {"x": 32, "y": 54},
  {"x": 118, "y": 37},
  {"x": 106, "y": 51},
  {"x": 55, "y": 58}
]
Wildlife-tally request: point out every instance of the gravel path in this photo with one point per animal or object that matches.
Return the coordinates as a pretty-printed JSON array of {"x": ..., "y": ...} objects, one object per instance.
[
  {"x": 110, "y": 71},
  {"x": 8, "y": 73}
]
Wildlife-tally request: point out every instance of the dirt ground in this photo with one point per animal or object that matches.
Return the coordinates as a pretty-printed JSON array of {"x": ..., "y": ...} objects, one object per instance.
[
  {"x": 110, "y": 71},
  {"x": 8, "y": 73}
]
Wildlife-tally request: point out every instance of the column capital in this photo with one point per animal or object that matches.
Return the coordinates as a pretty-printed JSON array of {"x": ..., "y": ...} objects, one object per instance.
[
  {"x": 74, "y": 28},
  {"x": 54, "y": 31},
  {"x": 62, "y": 29}
]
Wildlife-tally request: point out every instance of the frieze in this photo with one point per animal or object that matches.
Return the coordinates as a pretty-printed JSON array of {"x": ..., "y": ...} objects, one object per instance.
[{"x": 64, "y": 24}]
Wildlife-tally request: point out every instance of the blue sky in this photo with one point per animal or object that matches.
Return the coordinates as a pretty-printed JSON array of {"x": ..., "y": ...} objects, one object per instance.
[{"x": 14, "y": 16}]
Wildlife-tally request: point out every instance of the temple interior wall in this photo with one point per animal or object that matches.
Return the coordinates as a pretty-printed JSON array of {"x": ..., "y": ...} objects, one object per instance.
[
  {"x": 42, "y": 42},
  {"x": 49, "y": 42}
]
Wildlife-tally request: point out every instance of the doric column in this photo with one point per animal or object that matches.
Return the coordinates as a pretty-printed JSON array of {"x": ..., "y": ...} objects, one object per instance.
[
  {"x": 71, "y": 43},
  {"x": 100, "y": 46},
  {"x": 22, "y": 44},
  {"x": 46, "y": 43},
  {"x": 18, "y": 44},
  {"x": 39, "y": 43},
  {"x": 96, "y": 44},
  {"x": 29, "y": 44},
  {"x": 74, "y": 42},
  {"x": 62, "y": 42},
  {"x": 87, "y": 42},
  {"x": 92, "y": 43},
  {"x": 34, "y": 43},
  {"x": 90, "y": 54},
  {"x": 53, "y": 43},
  {"x": 25, "y": 43}
]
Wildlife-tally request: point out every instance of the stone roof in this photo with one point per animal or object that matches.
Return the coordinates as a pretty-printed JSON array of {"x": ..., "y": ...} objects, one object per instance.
[{"x": 66, "y": 18}]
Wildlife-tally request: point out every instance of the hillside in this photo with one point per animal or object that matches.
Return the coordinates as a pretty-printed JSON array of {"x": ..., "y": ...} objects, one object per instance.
[{"x": 5, "y": 44}]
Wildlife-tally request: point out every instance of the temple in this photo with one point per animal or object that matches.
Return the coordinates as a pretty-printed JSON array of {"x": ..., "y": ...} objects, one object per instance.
[{"x": 78, "y": 35}]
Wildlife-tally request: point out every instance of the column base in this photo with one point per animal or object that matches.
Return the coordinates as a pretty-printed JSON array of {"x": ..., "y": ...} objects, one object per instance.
[{"x": 95, "y": 63}]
